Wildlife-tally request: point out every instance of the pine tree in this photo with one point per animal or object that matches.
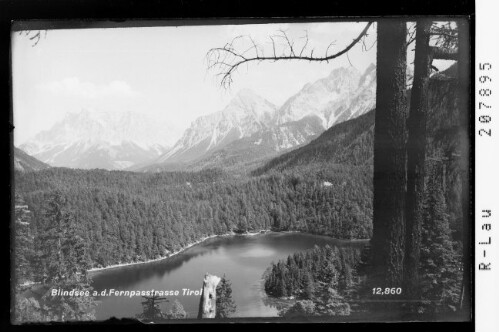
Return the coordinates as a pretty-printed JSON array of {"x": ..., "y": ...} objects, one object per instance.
[
  {"x": 439, "y": 263},
  {"x": 225, "y": 304},
  {"x": 416, "y": 152},
  {"x": 151, "y": 310},
  {"x": 308, "y": 286},
  {"x": 23, "y": 243},
  {"x": 332, "y": 304},
  {"x": 328, "y": 276},
  {"x": 304, "y": 308},
  {"x": 51, "y": 239},
  {"x": 27, "y": 310},
  {"x": 65, "y": 261},
  {"x": 177, "y": 311}
]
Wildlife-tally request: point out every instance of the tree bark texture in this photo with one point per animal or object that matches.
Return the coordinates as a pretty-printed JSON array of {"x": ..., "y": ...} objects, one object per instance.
[
  {"x": 416, "y": 149},
  {"x": 208, "y": 302},
  {"x": 464, "y": 112},
  {"x": 444, "y": 54},
  {"x": 390, "y": 154}
]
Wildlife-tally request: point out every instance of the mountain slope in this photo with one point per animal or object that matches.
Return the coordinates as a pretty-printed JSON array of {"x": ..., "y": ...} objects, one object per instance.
[
  {"x": 245, "y": 115},
  {"x": 347, "y": 142},
  {"x": 343, "y": 94},
  {"x": 240, "y": 137},
  {"x": 109, "y": 140},
  {"x": 351, "y": 142},
  {"x": 25, "y": 163}
]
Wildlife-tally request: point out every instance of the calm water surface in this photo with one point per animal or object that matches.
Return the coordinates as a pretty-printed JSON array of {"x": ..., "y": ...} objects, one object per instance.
[{"x": 243, "y": 259}]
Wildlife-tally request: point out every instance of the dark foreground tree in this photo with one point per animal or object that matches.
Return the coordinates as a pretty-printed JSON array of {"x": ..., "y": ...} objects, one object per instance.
[
  {"x": 464, "y": 158},
  {"x": 225, "y": 304},
  {"x": 63, "y": 263},
  {"x": 67, "y": 264},
  {"x": 390, "y": 131},
  {"x": 389, "y": 155},
  {"x": 439, "y": 263},
  {"x": 23, "y": 243},
  {"x": 444, "y": 38},
  {"x": 25, "y": 310},
  {"x": 416, "y": 143}
]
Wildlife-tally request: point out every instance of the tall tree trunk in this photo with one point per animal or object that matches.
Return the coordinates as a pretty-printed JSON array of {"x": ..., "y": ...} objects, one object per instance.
[
  {"x": 416, "y": 144},
  {"x": 464, "y": 107},
  {"x": 389, "y": 154},
  {"x": 208, "y": 301}
]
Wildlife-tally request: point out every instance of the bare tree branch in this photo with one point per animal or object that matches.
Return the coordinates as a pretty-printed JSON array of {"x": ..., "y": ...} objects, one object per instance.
[
  {"x": 36, "y": 38},
  {"x": 227, "y": 59},
  {"x": 33, "y": 35},
  {"x": 444, "y": 53},
  {"x": 412, "y": 35},
  {"x": 348, "y": 58},
  {"x": 444, "y": 35},
  {"x": 306, "y": 43},
  {"x": 332, "y": 44},
  {"x": 273, "y": 45}
]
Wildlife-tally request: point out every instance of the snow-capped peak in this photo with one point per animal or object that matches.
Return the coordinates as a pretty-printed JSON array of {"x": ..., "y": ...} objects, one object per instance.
[
  {"x": 121, "y": 138},
  {"x": 330, "y": 99},
  {"x": 244, "y": 115}
]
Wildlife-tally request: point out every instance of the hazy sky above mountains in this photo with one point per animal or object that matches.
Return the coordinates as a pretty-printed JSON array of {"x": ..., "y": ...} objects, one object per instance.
[{"x": 159, "y": 70}]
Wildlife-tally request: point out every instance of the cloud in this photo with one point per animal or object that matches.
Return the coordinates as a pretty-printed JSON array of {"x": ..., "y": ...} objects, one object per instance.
[{"x": 75, "y": 88}]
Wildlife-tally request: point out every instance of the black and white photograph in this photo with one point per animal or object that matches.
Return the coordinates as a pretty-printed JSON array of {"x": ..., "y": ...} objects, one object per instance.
[{"x": 289, "y": 171}]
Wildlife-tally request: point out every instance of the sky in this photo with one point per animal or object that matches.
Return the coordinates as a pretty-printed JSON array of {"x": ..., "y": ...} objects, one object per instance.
[{"x": 161, "y": 70}]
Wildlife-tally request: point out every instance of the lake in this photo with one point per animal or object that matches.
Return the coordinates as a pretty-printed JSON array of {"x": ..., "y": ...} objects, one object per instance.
[{"x": 243, "y": 260}]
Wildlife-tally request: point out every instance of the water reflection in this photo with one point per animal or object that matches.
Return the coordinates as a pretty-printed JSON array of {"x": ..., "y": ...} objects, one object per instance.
[
  {"x": 243, "y": 259},
  {"x": 126, "y": 276}
]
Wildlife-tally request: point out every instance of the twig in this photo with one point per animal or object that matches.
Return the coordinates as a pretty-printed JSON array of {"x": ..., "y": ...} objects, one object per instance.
[{"x": 215, "y": 59}]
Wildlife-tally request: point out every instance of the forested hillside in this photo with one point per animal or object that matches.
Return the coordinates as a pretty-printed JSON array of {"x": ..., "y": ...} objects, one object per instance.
[
  {"x": 348, "y": 143},
  {"x": 126, "y": 216},
  {"x": 351, "y": 143},
  {"x": 324, "y": 187},
  {"x": 305, "y": 274},
  {"x": 24, "y": 162}
]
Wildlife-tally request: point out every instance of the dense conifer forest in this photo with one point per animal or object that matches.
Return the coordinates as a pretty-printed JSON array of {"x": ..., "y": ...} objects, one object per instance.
[
  {"x": 304, "y": 275},
  {"x": 126, "y": 217},
  {"x": 335, "y": 278}
]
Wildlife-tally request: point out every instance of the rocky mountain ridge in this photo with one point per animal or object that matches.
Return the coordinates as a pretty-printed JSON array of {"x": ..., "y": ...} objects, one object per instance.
[
  {"x": 108, "y": 140},
  {"x": 218, "y": 139}
]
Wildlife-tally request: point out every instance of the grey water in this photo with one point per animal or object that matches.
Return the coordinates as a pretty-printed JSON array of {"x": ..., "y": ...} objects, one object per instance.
[{"x": 242, "y": 259}]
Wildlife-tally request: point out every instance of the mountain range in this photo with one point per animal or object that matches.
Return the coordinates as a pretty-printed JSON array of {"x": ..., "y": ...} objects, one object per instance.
[
  {"x": 251, "y": 129},
  {"x": 352, "y": 142},
  {"x": 247, "y": 132},
  {"x": 107, "y": 140},
  {"x": 26, "y": 163}
]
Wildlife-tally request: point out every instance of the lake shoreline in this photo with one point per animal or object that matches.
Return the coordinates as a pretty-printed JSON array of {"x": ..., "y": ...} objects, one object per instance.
[{"x": 192, "y": 244}]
